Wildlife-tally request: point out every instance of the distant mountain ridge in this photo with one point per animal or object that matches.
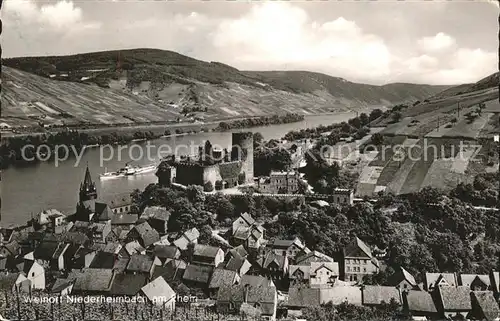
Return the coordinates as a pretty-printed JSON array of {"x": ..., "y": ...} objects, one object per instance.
[{"x": 141, "y": 85}]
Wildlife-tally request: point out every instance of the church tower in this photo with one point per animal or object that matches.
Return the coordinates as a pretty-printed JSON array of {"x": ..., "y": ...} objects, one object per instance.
[{"x": 87, "y": 188}]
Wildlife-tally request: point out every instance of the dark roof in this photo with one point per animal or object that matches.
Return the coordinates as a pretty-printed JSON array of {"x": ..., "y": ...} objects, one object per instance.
[
  {"x": 313, "y": 256},
  {"x": 166, "y": 251},
  {"x": 235, "y": 263},
  {"x": 45, "y": 250},
  {"x": 140, "y": 263},
  {"x": 60, "y": 285},
  {"x": 75, "y": 238},
  {"x": 93, "y": 280},
  {"x": 121, "y": 265},
  {"x": 28, "y": 264},
  {"x": 239, "y": 251},
  {"x": 486, "y": 302},
  {"x": 271, "y": 257},
  {"x": 7, "y": 280},
  {"x": 432, "y": 279},
  {"x": 420, "y": 301},
  {"x": 13, "y": 247},
  {"x": 375, "y": 295},
  {"x": 357, "y": 248},
  {"x": 128, "y": 284},
  {"x": 103, "y": 211},
  {"x": 455, "y": 298},
  {"x": 222, "y": 277},
  {"x": 247, "y": 218},
  {"x": 302, "y": 297},
  {"x": 197, "y": 273},
  {"x": 254, "y": 280},
  {"x": 147, "y": 233},
  {"x": 103, "y": 260},
  {"x": 265, "y": 296},
  {"x": 206, "y": 251},
  {"x": 3, "y": 263},
  {"x": 170, "y": 272}
]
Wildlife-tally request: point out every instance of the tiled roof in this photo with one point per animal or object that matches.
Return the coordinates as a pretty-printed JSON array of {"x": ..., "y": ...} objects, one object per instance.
[
  {"x": 270, "y": 258},
  {"x": 496, "y": 280},
  {"x": 170, "y": 272},
  {"x": 103, "y": 260},
  {"x": 60, "y": 285},
  {"x": 332, "y": 266},
  {"x": 486, "y": 302},
  {"x": 120, "y": 201},
  {"x": 45, "y": 250},
  {"x": 124, "y": 219},
  {"x": 408, "y": 277},
  {"x": 222, "y": 277},
  {"x": 93, "y": 280},
  {"x": 247, "y": 218},
  {"x": 420, "y": 301},
  {"x": 374, "y": 295},
  {"x": 467, "y": 279},
  {"x": 140, "y": 263},
  {"x": 134, "y": 247},
  {"x": 313, "y": 256},
  {"x": 235, "y": 263},
  {"x": 197, "y": 273},
  {"x": 156, "y": 212},
  {"x": 339, "y": 294},
  {"x": 305, "y": 270},
  {"x": 239, "y": 251},
  {"x": 431, "y": 279},
  {"x": 265, "y": 296},
  {"x": 455, "y": 298},
  {"x": 254, "y": 280},
  {"x": 147, "y": 233},
  {"x": 206, "y": 251},
  {"x": 127, "y": 284},
  {"x": 303, "y": 297},
  {"x": 166, "y": 251},
  {"x": 7, "y": 280}
]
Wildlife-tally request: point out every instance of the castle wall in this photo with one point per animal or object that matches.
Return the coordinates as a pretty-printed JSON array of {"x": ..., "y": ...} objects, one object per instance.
[
  {"x": 211, "y": 174},
  {"x": 189, "y": 174},
  {"x": 245, "y": 143}
]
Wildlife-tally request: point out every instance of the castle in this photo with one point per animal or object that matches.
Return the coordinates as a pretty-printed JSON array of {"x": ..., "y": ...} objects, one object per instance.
[{"x": 218, "y": 168}]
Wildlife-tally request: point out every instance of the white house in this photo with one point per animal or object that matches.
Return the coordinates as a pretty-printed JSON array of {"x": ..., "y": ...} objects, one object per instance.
[{"x": 35, "y": 273}]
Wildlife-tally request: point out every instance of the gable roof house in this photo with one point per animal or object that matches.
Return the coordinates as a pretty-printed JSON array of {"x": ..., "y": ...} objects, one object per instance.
[
  {"x": 341, "y": 294},
  {"x": 10, "y": 249},
  {"x": 231, "y": 298},
  {"x": 120, "y": 204},
  {"x": 238, "y": 251},
  {"x": 197, "y": 275},
  {"x": 323, "y": 274},
  {"x": 290, "y": 248},
  {"x": 92, "y": 281},
  {"x": 403, "y": 280},
  {"x": 190, "y": 236},
  {"x": 160, "y": 293},
  {"x": 103, "y": 260},
  {"x": 127, "y": 284},
  {"x": 244, "y": 221},
  {"x": 172, "y": 271},
  {"x": 476, "y": 282},
  {"x": 419, "y": 304},
  {"x": 273, "y": 265},
  {"x": 83, "y": 258},
  {"x": 134, "y": 247},
  {"x": 433, "y": 280},
  {"x": 221, "y": 278},
  {"x": 207, "y": 255},
  {"x": 35, "y": 273},
  {"x": 299, "y": 274},
  {"x": 144, "y": 234},
  {"x": 238, "y": 264},
  {"x": 52, "y": 254},
  {"x": 452, "y": 301},
  {"x": 141, "y": 264},
  {"x": 484, "y": 306},
  {"x": 166, "y": 253},
  {"x": 256, "y": 280},
  {"x": 13, "y": 282},
  {"x": 358, "y": 261},
  {"x": 62, "y": 286},
  {"x": 301, "y": 297},
  {"x": 312, "y": 256},
  {"x": 157, "y": 217},
  {"x": 374, "y": 295}
]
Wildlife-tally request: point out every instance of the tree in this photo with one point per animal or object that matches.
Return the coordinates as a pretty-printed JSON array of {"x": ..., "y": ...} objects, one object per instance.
[
  {"x": 257, "y": 139},
  {"x": 205, "y": 235},
  {"x": 218, "y": 185},
  {"x": 374, "y": 114},
  {"x": 241, "y": 178},
  {"x": 208, "y": 186},
  {"x": 396, "y": 116}
]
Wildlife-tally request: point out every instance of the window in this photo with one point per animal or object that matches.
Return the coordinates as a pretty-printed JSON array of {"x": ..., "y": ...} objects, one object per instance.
[
  {"x": 33, "y": 274},
  {"x": 364, "y": 269},
  {"x": 348, "y": 269},
  {"x": 364, "y": 261}
]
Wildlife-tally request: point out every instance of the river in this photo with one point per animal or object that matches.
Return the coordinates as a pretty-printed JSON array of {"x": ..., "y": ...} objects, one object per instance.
[{"x": 29, "y": 190}]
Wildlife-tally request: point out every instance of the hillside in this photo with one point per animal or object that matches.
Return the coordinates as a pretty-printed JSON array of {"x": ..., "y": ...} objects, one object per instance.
[
  {"x": 149, "y": 85},
  {"x": 445, "y": 140}
]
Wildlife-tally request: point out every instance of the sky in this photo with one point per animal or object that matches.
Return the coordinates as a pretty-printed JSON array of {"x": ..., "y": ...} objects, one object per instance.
[{"x": 375, "y": 42}]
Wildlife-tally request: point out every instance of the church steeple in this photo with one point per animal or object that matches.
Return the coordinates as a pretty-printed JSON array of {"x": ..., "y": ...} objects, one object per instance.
[{"x": 87, "y": 187}]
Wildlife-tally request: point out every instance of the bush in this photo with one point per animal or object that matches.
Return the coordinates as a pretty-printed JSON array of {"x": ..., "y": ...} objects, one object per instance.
[
  {"x": 218, "y": 185},
  {"x": 241, "y": 178},
  {"x": 208, "y": 187}
]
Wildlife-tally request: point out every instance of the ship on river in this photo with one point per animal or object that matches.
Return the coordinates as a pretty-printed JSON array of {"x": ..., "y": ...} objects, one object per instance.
[{"x": 128, "y": 170}]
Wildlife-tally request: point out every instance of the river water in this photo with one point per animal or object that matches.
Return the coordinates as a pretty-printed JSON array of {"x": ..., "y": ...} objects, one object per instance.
[{"x": 29, "y": 190}]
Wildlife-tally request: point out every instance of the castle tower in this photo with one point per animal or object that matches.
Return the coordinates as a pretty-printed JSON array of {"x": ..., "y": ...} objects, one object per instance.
[
  {"x": 242, "y": 150},
  {"x": 87, "y": 188}
]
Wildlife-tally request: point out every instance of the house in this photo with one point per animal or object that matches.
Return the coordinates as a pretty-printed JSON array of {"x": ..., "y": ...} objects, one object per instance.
[
  {"x": 433, "y": 280},
  {"x": 484, "y": 306},
  {"x": 3, "y": 264},
  {"x": 238, "y": 251},
  {"x": 35, "y": 273},
  {"x": 120, "y": 204},
  {"x": 62, "y": 287},
  {"x": 221, "y": 278},
  {"x": 453, "y": 301},
  {"x": 231, "y": 298},
  {"x": 358, "y": 261},
  {"x": 166, "y": 253},
  {"x": 144, "y": 234},
  {"x": 127, "y": 284},
  {"x": 100, "y": 231},
  {"x": 157, "y": 217},
  {"x": 103, "y": 260},
  {"x": 10, "y": 249},
  {"x": 171, "y": 271},
  {"x": 126, "y": 220},
  {"x": 299, "y": 274},
  {"x": 273, "y": 265},
  {"x": 323, "y": 274},
  {"x": 197, "y": 275},
  {"x": 476, "y": 282},
  {"x": 343, "y": 196},
  {"x": 313, "y": 256},
  {"x": 256, "y": 280},
  {"x": 121, "y": 264},
  {"x": 207, "y": 255},
  {"x": 238, "y": 264},
  {"x": 190, "y": 236},
  {"x": 51, "y": 216},
  {"x": 289, "y": 248},
  {"x": 83, "y": 258},
  {"x": 160, "y": 293},
  {"x": 141, "y": 264},
  {"x": 51, "y": 254},
  {"x": 244, "y": 221},
  {"x": 419, "y": 304},
  {"x": 14, "y": 282},
  {"x": 134, "y": 247},
  {"x": 300, "y": 297},
  {"x": 92, "y": 281},
  {"x": 374, "y": 295},
  {"x": 402, "y": 280}
]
